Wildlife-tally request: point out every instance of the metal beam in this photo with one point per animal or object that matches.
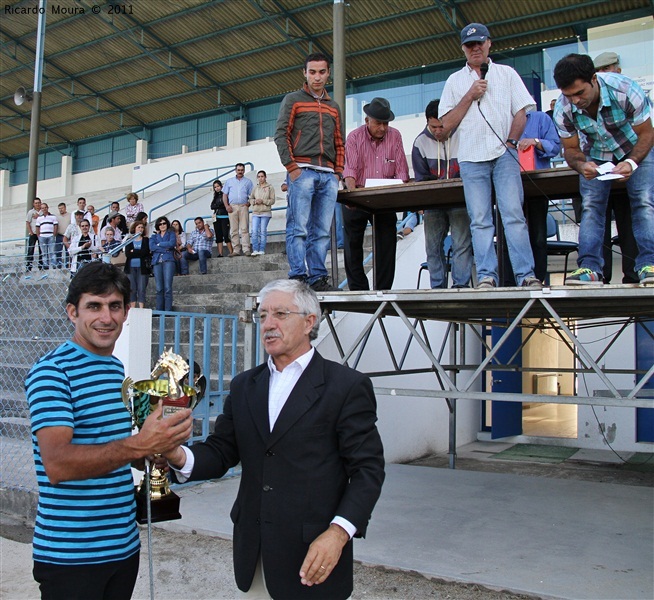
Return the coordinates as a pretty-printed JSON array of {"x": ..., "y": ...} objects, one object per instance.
[
  {"x": 164, "y": 46},
  {"x": 180, "y": 44},
  {"x": 302, "y": 52},
  {"x": 73, "y": 78}
]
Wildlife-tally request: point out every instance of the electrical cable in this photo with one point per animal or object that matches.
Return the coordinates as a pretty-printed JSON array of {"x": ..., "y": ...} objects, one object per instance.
[{"x": 601, "y": 430}]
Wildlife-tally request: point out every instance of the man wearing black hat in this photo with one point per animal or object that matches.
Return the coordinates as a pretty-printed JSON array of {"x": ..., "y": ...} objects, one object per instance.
[
  {"x": 113, "y": 219},
  {"x": 488, "y": 103},
  {"x": 372, "y": 151}
]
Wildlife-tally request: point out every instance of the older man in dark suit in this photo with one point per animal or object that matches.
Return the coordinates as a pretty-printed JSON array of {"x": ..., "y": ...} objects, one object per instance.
[{"x": 304, "y": 431}]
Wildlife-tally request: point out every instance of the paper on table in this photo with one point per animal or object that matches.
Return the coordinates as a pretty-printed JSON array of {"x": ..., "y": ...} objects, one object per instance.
[{"x": 378, "y": 182}]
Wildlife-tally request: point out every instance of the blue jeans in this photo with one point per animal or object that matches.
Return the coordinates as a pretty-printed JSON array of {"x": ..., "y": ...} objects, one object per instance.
[
  {"x": 311, "y": 201},
  {"x": 163, "y": 278},
  {"x": 60, "y": 261},
  {"x": 138, "y": 284},
  {"x": 47, "y": 245},
  {"x": 200, "y": 255},
  {"x": 260, "y": 232},
  {"x": 594, "y": 198},
  {"x": 503, "y": 173},
  {"x": 437, "y": 223},
  {"x": 410, "y": 222},
  {"x": 340, "y": 229}
]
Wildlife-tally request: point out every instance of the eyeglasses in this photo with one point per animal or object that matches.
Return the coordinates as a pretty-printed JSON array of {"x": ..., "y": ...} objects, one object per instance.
[{"x": 279, "y": 315}]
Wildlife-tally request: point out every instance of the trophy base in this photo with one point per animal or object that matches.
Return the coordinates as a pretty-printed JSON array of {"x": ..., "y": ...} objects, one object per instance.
[{"x": 163, "y": 509}]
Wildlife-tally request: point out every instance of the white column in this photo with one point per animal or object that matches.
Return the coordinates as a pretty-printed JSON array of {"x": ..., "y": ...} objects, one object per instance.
[
  {"x": 141, "y": 152},
  {"x": 237, "y": 134},
  {"x": 134, "y": 346},
  {"x": 133, "y": 349},
  {"x": 66, "y": 175},
  {"x": 5, "y": 197}
]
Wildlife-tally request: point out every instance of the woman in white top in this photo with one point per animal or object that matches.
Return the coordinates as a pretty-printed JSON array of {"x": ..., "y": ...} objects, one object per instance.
[{"x": 84, "y": 247}]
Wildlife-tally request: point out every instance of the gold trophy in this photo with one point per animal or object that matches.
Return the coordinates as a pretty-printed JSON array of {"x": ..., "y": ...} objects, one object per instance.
[{"x": 168, "y": 382}]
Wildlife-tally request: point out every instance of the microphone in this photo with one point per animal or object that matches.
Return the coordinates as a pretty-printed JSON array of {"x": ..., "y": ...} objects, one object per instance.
[{"x": 483, "y": 67}]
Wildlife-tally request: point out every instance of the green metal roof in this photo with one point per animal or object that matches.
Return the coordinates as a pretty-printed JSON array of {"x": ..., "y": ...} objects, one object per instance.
[{"x": 129, "y": 65}]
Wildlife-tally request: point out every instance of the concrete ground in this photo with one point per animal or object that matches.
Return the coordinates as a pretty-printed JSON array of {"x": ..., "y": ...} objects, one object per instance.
[{"x": 490, "y": 529}]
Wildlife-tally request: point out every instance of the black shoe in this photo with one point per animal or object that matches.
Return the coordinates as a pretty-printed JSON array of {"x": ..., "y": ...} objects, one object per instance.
[{"x": 322, "y": 285}]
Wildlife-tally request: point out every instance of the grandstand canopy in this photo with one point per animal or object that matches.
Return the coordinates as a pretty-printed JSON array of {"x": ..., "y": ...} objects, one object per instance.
[{"x": 111, "y": 66}]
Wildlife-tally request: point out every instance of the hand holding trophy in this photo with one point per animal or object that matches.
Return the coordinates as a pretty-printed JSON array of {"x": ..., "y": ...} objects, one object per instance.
[{"x": 167, "y": 384}]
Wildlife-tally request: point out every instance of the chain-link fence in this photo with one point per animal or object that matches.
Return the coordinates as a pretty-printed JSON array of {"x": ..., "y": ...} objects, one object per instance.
[{"x": 32, "y": 322}]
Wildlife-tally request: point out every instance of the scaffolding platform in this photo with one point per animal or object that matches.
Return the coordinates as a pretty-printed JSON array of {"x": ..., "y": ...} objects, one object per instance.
[{"x": 561, "y": 309}]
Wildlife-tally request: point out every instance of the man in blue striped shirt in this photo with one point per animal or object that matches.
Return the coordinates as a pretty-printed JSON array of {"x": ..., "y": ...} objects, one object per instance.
[
  {"x": 605, "y": 117},
  {"x": 86, "y": 543}
]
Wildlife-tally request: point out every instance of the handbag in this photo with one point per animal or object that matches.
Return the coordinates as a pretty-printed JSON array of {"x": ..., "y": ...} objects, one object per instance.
[{"x": 119, "y": 260}]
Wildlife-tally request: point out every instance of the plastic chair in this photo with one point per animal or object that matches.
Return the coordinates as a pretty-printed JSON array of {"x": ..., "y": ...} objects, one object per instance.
[
  {"x": 556, "y": 247},
  {"x": 447, "y": 249}
]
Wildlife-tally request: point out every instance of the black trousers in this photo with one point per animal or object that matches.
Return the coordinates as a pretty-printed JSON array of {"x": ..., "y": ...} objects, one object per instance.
[
  {"x": 221, "y": 230},
  {"x": 104, "y": 581},
  {"x": 32, "y": 243},
  {"x": 355, "y": 222}
]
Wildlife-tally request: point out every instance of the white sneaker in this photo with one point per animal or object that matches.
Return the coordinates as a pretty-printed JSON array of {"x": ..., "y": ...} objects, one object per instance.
[
  {"x": 255, "y": 253},
  {"x": 261, "y": 253}
]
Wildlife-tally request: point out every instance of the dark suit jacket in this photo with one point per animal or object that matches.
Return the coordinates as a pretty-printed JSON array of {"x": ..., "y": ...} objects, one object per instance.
[
  {"x": 143, "y": 253},
  {"x": 323, "y": 458}
]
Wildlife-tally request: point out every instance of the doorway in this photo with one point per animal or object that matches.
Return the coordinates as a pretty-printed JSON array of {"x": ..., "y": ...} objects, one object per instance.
[{"x": 546, "y": 350}]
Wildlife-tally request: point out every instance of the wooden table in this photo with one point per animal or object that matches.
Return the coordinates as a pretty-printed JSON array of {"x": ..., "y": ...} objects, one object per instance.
[{"x": 555, "y": 184}]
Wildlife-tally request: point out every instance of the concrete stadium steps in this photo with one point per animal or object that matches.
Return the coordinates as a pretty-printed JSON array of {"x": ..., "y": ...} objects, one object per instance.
[
  {"x": 222, "y": 290},
  {"x": 16, "y": 428},
  {"x": 14, "y": 415},
  {"x": 13, "y": 376}
]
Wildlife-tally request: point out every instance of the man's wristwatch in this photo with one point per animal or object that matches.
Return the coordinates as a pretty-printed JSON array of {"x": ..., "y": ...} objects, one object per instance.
[
  {"x": 537, "y": 141},
  {"x": 513, "y": 142}
]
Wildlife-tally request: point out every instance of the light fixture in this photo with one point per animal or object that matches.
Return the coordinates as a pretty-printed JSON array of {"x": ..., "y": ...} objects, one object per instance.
[{"x": 21, "y": 95}]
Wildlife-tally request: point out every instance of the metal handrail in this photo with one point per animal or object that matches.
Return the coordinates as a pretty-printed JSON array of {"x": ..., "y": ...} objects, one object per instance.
[
  {"x": 218, "y": 175},
  {"x": 197, "y": 187},
  {"x": 140, "y": 191},
  {"x": 203, "y": 325}
]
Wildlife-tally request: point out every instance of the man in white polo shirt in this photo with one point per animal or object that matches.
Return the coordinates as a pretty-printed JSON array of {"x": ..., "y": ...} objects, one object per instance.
[
  {"x": 46, "y": 229},
  {"x": 488, "y": 103}
]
